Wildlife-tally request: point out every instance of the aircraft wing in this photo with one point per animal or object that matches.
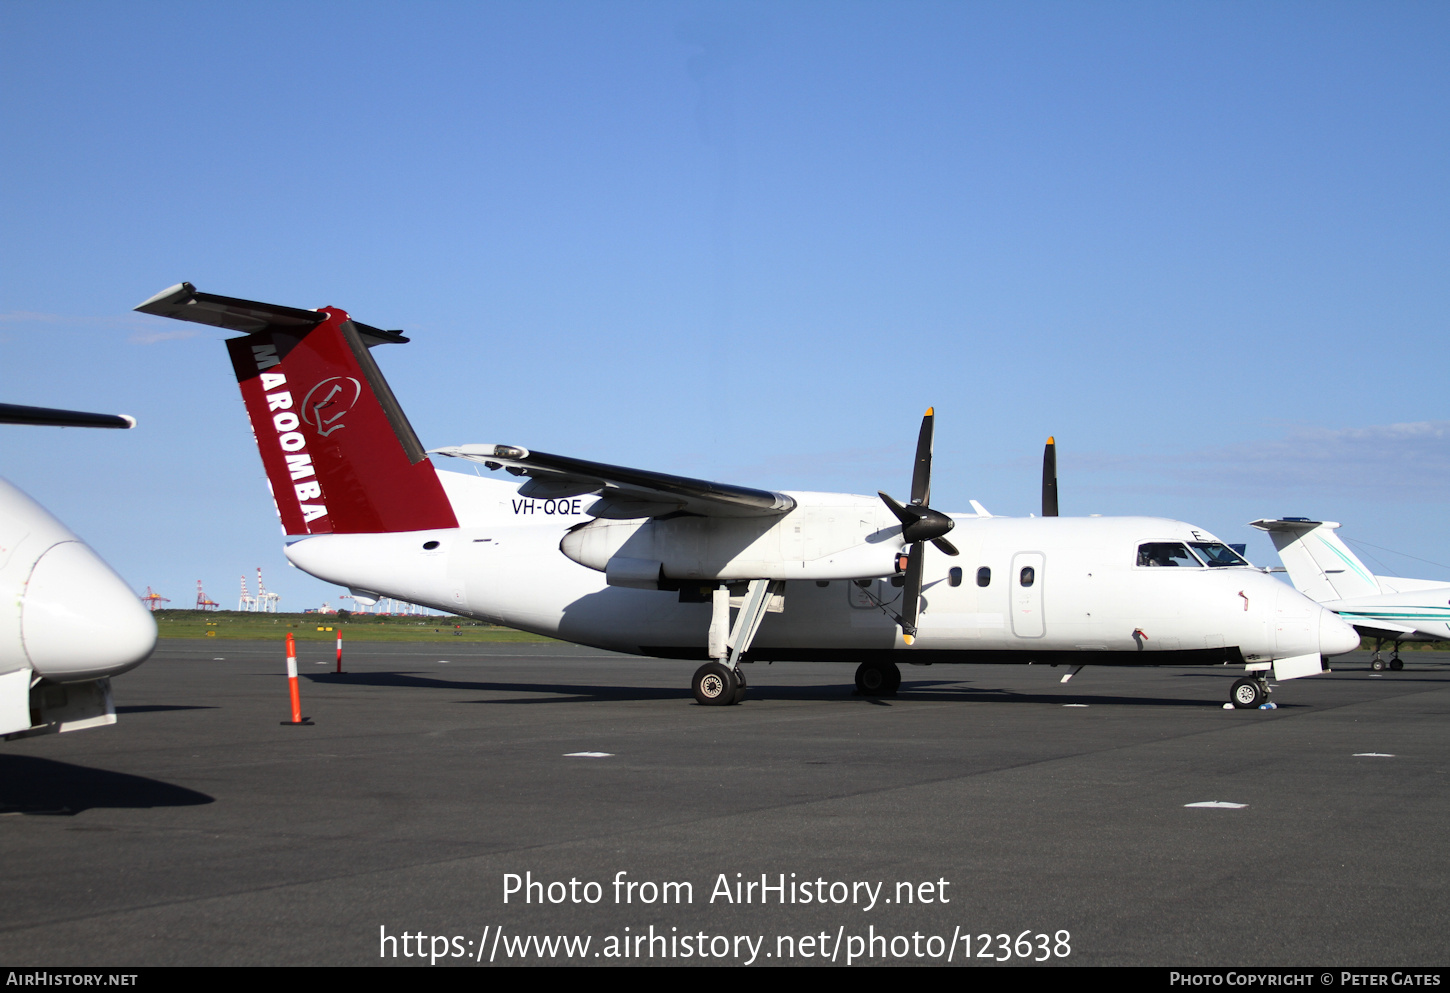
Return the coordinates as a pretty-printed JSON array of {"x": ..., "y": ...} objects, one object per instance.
[
  {"x": 1396, "y": 584},
  {"x": 1376, "y": 627},
  {"x": 14, "y": 413},
  {"x": 624, "y": 494}
]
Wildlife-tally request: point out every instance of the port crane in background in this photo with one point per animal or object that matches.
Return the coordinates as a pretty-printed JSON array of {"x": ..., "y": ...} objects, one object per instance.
[{"x": 204, "y": 602}]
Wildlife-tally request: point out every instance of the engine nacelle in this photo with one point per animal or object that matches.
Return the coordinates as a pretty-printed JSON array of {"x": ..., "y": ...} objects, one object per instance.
[
  {"x": 826, "y": 537},
  {"x": 639, "y": 574}
]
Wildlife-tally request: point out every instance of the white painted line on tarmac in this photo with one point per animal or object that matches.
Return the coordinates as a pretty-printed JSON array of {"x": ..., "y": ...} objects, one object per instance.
[
  {"x": 589, "y": 755},
  {"x": 1074, "y": 705},
  {"x": 1218, "y": 804},
  {"x": 1373, "y": 755}
]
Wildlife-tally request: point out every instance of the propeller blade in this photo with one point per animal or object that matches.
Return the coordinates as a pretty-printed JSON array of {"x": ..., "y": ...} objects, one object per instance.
[
  {"x": 911, "y": 591},
  {"x": 921, "y": 473},
  {"x": 1049, "y": 479},
  {"x": 902, "y": 514},
  {"x": 919, "y": 525}
]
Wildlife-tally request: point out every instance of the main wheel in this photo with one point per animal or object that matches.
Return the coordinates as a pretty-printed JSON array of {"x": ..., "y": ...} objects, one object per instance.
[
  {"x": 877, "y": 678},
  {"x": 1377, "y": 664},
  {"x": 1246, "y": 694},
  {"x": 895, "y": 673},
  {"x": 1396, "y": 664},
  {"x": 714, "y": 685}
]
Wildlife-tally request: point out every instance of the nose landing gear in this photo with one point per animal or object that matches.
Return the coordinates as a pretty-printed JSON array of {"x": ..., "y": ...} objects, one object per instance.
[{"x": 1249, "y": 693}]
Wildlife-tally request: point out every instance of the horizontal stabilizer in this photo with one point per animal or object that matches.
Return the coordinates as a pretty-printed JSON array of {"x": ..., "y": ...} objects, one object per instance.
[
  {"x": 1292, "y": 525},
  {"x": 184, "y": 302},
  {"x": 626, "y": 493}
]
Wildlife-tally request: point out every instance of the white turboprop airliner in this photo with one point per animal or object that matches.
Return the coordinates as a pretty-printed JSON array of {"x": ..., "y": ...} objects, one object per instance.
[
  {"x": 68, "y": 623},
  {"x": 1385, "y": 608},
  {"x": 653, "y": 564}
]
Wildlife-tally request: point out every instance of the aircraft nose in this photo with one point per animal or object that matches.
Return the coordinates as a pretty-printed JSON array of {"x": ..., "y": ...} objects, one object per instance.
[
  {"x": 80, "y": 620},
  {"x": 1336, "y": 636}
]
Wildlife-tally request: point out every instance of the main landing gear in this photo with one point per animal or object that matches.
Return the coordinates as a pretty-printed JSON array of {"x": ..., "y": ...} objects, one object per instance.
[
  {"x": 718, "y": 685},
  {"x": 721, "y": 683},
  {"x": 878, "y": 679},
  {"x": 1249, "y": 693},
  {"x": 1379, "y": 665}
]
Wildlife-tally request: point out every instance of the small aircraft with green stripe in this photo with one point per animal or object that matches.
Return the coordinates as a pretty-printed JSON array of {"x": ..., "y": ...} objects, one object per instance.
[{"x": 1386, "y": 608}]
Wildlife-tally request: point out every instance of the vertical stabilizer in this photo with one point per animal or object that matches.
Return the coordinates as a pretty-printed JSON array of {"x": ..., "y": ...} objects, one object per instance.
[
  {"x": 340, "y": 455},
  {"x": 1319, "y": 564}
]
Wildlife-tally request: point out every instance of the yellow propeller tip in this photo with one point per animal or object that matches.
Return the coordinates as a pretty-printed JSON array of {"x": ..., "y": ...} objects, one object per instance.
[
  {"x": 1050, "y": 441},
  {"x": 929, "y": 412},
  {"x": 907, "y": 638}
]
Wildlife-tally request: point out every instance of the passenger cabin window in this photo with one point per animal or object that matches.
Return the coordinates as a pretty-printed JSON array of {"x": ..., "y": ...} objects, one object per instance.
[
  {"x": 984, "y": 576},
  {"x": 1217, "y": 554},
  {"x": 1027, "y": 576},
  {"x": 1166, "y": 553},
  {"x": 954, "y": 576}
]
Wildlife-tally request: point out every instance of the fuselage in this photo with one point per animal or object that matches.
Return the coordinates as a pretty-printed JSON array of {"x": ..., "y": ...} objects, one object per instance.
[
  {"x": 1046, "y": 589},
  {"x": 1427, "y": 611},
  {"x": 67, "y": 615}
]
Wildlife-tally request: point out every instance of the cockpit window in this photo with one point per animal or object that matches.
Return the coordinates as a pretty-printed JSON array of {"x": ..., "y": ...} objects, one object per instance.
[
  {"x": 1217, "y": 554},
  {"x": 1166, "y": 553}
]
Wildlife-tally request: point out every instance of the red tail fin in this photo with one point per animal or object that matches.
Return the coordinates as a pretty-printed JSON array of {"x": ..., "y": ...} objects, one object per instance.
[{"x": 339, "y": 454}]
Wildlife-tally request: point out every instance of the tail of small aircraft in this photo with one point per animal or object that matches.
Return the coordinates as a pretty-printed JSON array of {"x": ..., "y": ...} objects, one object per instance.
[
  {"x": 340, "y": 456},
  {"x": 1319, "y": 564}
]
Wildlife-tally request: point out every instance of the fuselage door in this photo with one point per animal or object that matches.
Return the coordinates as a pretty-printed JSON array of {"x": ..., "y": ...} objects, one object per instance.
[{"x": 1026, "y": 579}]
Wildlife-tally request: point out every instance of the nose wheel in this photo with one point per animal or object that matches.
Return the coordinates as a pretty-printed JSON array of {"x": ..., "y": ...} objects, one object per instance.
[{"x": 1249, "y": 693}]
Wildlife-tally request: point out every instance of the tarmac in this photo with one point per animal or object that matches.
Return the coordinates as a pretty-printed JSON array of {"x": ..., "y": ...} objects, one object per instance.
[{"x": 987, "y": 814}]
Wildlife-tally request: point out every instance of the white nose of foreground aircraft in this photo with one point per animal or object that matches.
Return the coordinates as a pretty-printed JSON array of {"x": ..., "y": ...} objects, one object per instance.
[
  {"x": 654, "y": 564},
  {"x": 68, "y": 622}
]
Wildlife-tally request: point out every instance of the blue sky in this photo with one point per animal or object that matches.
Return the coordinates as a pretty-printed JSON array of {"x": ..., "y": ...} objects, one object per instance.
[{"x": 1204, "y": 245}]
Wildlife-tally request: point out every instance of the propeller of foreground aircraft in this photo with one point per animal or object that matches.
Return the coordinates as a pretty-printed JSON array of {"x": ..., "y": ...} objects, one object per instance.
[
  {"x": 920, "y": 524},
  {"x": 1049, "y": 479}
]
